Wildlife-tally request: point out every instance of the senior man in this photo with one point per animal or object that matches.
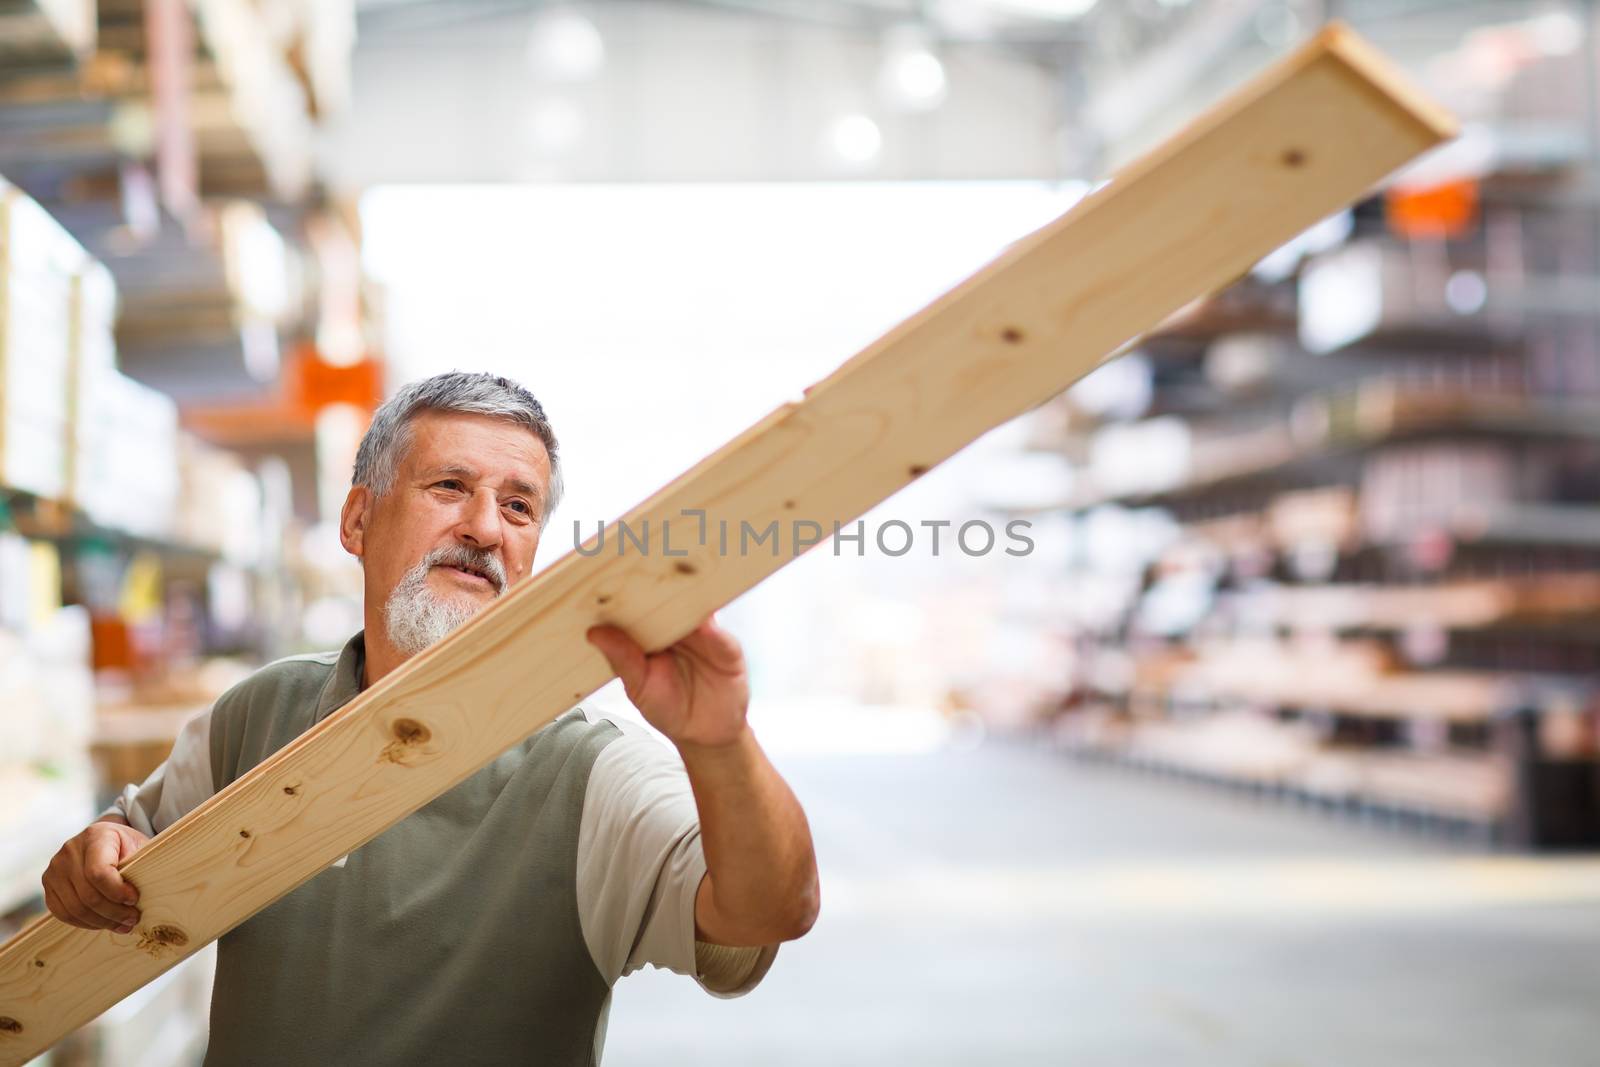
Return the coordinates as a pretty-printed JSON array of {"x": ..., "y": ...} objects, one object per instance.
[{"x": 489, "y": 926}]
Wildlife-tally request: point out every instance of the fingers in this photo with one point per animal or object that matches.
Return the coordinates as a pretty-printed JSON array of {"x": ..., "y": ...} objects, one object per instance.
[
  {"x": 714, "y": 645},
  {"x": 69, "y": 906},
  {"x": 84, "y": 901},
  {"x": 60, "y": 897},
  {"x": 622, "y": 653},
  {"x": 82, "y": 885},
  {"x": 116, "y": 915},
  {"x": 58, "y": 909},
  {"x": 100, "y": 857}
]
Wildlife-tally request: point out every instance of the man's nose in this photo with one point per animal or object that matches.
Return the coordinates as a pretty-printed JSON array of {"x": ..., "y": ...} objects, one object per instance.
[{"x": 479, "y": 524}]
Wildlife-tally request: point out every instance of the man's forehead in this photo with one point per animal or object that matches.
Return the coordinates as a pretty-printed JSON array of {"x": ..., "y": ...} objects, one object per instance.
[{"x": 475, "y": 445}]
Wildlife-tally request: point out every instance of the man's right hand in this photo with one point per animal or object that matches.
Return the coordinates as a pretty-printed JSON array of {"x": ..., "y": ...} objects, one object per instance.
[{"x": 82, "y": 885}]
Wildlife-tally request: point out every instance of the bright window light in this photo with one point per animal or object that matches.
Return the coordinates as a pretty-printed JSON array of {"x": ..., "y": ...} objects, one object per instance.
[
  {"x": 655, "y": 322},
  {"x": 670, "y": 315}
]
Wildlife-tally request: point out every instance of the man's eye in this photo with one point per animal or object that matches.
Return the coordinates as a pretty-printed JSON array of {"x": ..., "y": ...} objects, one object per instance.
[
  {"x": 448, "y": 483},
  {"x": 521, "y": 506}
]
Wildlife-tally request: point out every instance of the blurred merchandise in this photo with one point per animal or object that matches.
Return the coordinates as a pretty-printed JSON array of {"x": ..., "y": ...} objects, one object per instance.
[
  {"x": 1381, "y": 593},
  {"x": 129, "y": 461},
  {"x": 38, "y": 264}
]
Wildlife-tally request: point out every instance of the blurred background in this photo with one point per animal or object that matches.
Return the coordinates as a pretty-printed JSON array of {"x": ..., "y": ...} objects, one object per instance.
[{"x": 1278, "y": 746}]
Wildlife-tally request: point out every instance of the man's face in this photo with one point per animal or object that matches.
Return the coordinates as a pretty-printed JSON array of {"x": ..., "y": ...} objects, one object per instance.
[{"x": 462, "y": 519}]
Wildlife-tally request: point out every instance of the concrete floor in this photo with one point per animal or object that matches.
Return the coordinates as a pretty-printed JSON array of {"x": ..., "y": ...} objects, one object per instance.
[{"x": 1005, "y": 905}]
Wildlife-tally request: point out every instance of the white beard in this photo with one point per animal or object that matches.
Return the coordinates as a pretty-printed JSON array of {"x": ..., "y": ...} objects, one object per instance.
[{"x": 416, "y": 617}]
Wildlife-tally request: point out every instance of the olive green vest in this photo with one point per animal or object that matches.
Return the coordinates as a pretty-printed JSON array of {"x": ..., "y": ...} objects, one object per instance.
[{"x": 451, "y": 938}]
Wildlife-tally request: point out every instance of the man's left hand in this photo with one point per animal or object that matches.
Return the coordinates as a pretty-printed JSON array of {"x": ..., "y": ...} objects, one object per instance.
[{"x": 695, "y": 691}]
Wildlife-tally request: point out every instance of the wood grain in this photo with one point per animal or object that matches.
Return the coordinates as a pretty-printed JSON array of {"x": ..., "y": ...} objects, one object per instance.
[{"x": 1302, "y": 140}]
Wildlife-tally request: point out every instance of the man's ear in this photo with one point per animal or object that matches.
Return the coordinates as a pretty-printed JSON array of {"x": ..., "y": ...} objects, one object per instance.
[{"x": 353, "y": 520}]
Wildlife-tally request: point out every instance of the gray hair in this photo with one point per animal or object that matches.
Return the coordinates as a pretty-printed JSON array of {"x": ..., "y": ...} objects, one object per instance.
[{"x": 463, "y": 392}]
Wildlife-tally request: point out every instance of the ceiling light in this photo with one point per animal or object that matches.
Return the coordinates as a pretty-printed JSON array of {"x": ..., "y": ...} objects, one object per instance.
[
  {"x": 912, "y": 78},
  {"x": 965, "y": 19},
  {"x": 855, "y": 138},
  {"x": 565, "y": 46},
  {"x": 1045, "y": 9},
  {"x": 1277, "y": 25}
]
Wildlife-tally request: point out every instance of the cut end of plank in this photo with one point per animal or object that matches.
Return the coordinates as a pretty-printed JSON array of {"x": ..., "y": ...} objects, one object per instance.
[
  {"x": 1337, "y": 49},
  {"x": 1339, "y": 40}
]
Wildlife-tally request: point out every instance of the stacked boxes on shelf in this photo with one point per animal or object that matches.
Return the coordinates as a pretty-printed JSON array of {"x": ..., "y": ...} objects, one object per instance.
[
  {"x": 94, "y": 358},
  {"x": 72, "y": 427},
  {"x": 128, "y": 459},
  {"x": 46, "y": 688},
  {"x": 38, "y": 261},
  {"x": 219, "y": 503}
]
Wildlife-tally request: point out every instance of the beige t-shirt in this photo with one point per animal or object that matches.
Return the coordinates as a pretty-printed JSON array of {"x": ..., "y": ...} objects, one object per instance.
[{"x": 640, "y": 861}]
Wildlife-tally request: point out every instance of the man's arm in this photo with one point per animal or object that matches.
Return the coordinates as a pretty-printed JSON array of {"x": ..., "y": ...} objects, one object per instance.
[
  {"x": 761, "y": 869},
  {"x": 82, "y": 885}
]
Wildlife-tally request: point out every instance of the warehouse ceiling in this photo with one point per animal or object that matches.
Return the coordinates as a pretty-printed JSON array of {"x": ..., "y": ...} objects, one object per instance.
[
  {"x": 473, "y": 91},
  {"x": 686, "y": 90}
]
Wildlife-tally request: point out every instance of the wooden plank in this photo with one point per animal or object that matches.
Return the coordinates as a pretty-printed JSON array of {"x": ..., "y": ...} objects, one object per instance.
[{"x": 1305, "y": 138}]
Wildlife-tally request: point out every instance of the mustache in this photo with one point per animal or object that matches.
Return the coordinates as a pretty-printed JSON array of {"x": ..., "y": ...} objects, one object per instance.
[{"x": 471, "y": 559}]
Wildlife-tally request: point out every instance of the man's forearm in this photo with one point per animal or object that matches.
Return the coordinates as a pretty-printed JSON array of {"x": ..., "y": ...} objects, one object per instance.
[{"x": 759, "y": 857}]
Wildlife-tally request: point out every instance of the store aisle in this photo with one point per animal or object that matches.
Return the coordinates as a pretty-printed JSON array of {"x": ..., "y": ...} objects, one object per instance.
[{"x": 1005, "y": 905}]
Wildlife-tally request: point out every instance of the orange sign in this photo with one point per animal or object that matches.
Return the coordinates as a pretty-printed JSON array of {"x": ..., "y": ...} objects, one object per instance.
[{"x": 1446, "y": 210}]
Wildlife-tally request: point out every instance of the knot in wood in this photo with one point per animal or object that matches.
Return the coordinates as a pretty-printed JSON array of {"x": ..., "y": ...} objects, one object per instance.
[
  {"x": 409, "y": 736},
  {"x": 410, "y": 732},
  {"x": 158, "y": 939}
]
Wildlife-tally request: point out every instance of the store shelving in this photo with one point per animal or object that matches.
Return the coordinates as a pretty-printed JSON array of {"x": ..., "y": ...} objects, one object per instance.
[
  {"x": 113, "y": 525},
  {"x": 1563, "y": 598},
  {"x": 1348, "y": 423},
  {"x": 1380, "y": 575}
]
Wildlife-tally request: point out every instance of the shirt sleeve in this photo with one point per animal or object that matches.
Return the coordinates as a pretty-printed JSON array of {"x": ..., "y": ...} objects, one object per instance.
[
  {"x": 640, "y": 864},
  {"x": 176, "y": 787}
]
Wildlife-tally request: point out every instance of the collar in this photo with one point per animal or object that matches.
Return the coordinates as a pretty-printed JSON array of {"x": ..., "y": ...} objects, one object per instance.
[{"x": 345, "y": 681}]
